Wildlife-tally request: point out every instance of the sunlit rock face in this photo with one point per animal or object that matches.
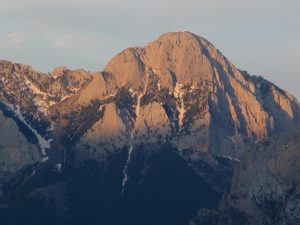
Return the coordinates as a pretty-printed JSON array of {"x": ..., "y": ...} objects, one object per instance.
[
  {"x": 106, "y": 135},
  {"x": 210, "y": 105},
  {"x": 206, "y": 101},
  {"x": 152, "y": 124},
  {"x": 175, "y": 109},
  {"x": 178, "y": 89},
  {"x": 15, "y": 150}
]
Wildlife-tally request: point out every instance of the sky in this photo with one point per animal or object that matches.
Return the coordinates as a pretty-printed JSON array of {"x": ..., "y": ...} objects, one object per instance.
[{"x": 260, "y": 36}]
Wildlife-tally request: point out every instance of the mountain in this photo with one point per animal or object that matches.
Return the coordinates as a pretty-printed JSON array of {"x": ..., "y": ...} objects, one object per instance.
[{"x": 154, "y": 138}]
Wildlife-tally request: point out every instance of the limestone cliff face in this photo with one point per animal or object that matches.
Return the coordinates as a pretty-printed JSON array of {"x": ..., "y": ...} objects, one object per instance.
[
  {"x": 152, "y": 124},
  {"x": 106, "y": 135},
  {"x": 96, "y": 89},
  {"x": 211, "y": 106},
  {"x": 175, "y": 107},
  {"x": 178, "y": 89},
  {"x": 127, "y": 62},
  {"x": 15, "y": 150}
]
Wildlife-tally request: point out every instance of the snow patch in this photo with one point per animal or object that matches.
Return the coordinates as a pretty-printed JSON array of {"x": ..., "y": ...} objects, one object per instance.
[
  {"x": 131, "y": 146},
  {"x": 45, "y": 159},
  {"x": 40, "y": 98},
  {"x": 51, "y": 127},
  {"x": 74, "y": 89},
  {"x": 100, "y": 108},
  {"x": 125, "y": 175},
  {"x": 178, "y": 93},
  {"x": 58, "y": 167},
  {"x": 228, "y": 157},
  {"x": 43, "y": 143},
  {"x": 34, "y": 88},
  {"x": 65, "y": 97},
  {"x": 158, "y": 85}
]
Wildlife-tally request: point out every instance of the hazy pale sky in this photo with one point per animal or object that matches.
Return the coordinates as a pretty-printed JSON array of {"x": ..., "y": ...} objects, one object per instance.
[{"x": 260, "y": 36}]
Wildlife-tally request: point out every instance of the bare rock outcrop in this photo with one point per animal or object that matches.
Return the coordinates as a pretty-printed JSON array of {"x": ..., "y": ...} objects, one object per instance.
[
  {"x": 152, "y": 125},
  {"x": 107, "y": 134},
  {"x": 16, "y": 151},
  {"x": 176, "y": 107},
  {"x": 178, "y": 88},
  {"x": 212, "y": 106}
]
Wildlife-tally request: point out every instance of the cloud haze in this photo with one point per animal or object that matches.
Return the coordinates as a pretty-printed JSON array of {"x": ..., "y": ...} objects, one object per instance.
[{"x": 259, "y": 36}]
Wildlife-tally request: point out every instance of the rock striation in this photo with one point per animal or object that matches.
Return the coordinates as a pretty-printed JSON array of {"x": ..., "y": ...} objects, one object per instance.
[
  {"x": 178, "y": 89},
  {"x": 174, "y": 119}
]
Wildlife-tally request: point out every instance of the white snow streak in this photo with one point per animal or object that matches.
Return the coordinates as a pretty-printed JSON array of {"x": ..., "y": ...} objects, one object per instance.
[
  {"x": 40, "y": 98},
  {"x": 43, "y": 143},
  {"x": 34, "y": 89},
  {"x": 229, "y": 158},
  {"x": 130, "y": 149},
  {"x": 65, "y": 97},
  {"x": 125, "y": 175},
  {"x": 181, "y": 109}
]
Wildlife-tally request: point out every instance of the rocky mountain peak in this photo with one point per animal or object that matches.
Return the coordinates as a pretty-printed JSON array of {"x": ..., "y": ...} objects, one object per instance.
[
  {"x": 200, "y": 87},
  {"x": 174, "y": 113},
  {"x": 174, "y": 57},
  {"x": 179, "y": 81}
]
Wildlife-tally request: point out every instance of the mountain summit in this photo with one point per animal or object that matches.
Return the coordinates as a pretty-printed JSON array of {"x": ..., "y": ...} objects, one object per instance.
[
  {"x": 175, "y": 113},
  {"x": 190, "y": 78}
]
